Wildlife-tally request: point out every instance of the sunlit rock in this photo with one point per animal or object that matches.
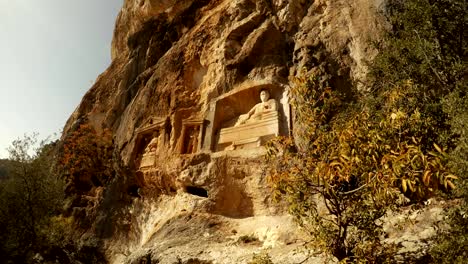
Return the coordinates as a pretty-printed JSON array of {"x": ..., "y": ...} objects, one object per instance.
[{"x": 181, "y": 97}]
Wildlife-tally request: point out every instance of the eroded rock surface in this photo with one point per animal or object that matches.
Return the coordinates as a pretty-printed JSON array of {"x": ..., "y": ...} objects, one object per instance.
[{"x": 181, "y": 72}]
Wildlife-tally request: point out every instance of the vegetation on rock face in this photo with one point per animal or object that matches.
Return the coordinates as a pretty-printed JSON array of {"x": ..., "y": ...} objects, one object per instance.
[
  {"x": 86, "y": 159},
  {"x": 247, "y": 239},
  {"x": 86, "y": 163},
  {"x": 350, "y": 161},
  {"x": 348, "y": 164},
  {"x": 428, "y": 45},
  {"x": 349, "y": 168},
  {"x": 32, "y": 229}
]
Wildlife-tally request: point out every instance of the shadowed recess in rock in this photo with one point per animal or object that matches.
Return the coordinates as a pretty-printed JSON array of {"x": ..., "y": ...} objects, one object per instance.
[{"x": 197, "y": 191}]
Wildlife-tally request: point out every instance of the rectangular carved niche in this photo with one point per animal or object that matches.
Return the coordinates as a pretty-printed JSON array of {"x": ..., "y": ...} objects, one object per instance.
[
  {"x": 152, "y": 139},
  {"x": 190, "y": 141},
  {"x": 241, "y": 119}
]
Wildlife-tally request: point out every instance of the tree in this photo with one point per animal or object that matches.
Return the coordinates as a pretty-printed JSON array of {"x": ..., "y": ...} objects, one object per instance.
[
  {"x": 348, "y": 162},
  {"x": 428, "y": 45},
  {"x": 4, "y": 168},
  {"x": 347, "y": 166},
  {"x": 28, "y": 198}
]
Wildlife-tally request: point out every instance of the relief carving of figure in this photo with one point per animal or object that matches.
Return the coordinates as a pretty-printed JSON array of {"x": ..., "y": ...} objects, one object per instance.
[
  {"x": 193, "y": 140},
  {"x": 153, "y": 144},
  {"x": 265, "y": 106}
]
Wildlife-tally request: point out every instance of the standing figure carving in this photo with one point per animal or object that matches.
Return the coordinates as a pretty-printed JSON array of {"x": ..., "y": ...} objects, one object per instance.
[
  {"x": 192, "y": 146},
  {"x": 265, "y": 106}
]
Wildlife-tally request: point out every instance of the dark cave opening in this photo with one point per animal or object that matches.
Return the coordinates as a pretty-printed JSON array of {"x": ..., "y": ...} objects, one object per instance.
[
  {"x": 133, "y": 191},
  {"x": 198, "y": 191}
]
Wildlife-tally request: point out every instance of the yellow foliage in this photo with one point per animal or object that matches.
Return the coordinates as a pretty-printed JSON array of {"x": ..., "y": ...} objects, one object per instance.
[
  {"x": 355, "y": 160},
  {"x": 87, "y": 154}
]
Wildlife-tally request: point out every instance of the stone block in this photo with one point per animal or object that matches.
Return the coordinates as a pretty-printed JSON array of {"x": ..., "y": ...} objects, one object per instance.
[
  {"x": 249, "y": 135},
  {"x": 147, "y": 160}
]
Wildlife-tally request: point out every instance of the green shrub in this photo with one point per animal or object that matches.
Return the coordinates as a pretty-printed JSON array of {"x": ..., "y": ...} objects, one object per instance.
[{"x": 427, "y": 44}]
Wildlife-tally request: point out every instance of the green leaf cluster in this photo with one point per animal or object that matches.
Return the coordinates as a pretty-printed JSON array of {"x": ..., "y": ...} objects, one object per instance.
[{"x": 427, "y": 44}]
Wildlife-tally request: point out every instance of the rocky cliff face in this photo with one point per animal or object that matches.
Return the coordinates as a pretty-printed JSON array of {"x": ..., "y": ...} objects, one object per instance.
[{"x": 182, "y": 73}]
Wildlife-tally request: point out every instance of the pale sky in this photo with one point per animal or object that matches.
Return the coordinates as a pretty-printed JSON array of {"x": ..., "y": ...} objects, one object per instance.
[{"x": 51, "y": 52}]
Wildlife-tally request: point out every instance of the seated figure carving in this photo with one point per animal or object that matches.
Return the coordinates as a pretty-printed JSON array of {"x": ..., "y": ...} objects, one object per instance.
[
  {"x": 152, "y": 145},
  {"x": 253, "y": 129},
  {"x": 149, "y": 152},
  {"x": 266, "y": 105}
]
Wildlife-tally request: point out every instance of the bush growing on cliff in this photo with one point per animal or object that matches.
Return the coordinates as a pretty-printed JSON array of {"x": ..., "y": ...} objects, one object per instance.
[
  {"x": 86, "y": 159},
  {"x": 407, "y": 135},
  {"x": 428, "y": 44},
  {"x": 452, "y": 245},
  {"x": 347, "y": 165}
]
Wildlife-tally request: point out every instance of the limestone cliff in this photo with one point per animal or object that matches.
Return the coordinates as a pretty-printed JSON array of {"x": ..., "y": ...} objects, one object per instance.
[{"x": 181, "y": 72}]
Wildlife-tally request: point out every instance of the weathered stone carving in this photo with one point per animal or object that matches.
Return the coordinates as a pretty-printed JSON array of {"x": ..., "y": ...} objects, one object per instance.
[
  {"x": 152, "y": 146},
  {"x": 150, "y": 151},
  {"x": 153, "y": 138},
  {"x": 253, "y": 129},
  {"x": 210, "y": 60},
  {"x": 190, "y": 140},
  {"x": 192, "y": 144},
  {"x": 260, "y": 110}
]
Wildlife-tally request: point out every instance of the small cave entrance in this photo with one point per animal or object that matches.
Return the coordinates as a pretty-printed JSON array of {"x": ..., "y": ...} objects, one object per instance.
[
  {"x": 198, "y": 191},
  {"x": 134, "y": 191}
]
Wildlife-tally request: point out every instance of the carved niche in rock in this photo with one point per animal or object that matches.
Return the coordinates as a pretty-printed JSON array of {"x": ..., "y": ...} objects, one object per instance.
[
  {"x": 241, "y": 120},
  {"x": 190, "y": 141},
  {"x": 152, "y": 140},
  {"x": 253, "y": 129}
]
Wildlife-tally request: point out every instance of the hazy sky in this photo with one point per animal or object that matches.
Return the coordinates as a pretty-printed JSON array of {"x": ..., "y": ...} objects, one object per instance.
[{"x": 51, "y": 52}]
